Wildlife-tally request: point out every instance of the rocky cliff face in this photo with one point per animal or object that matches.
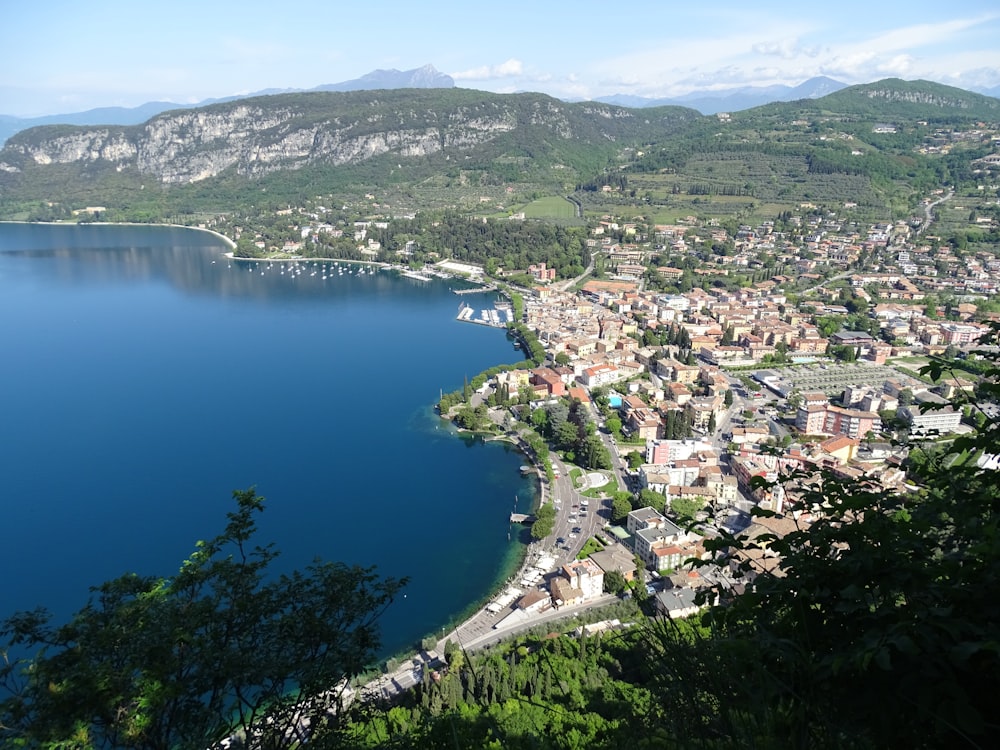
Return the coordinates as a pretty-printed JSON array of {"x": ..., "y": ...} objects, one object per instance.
[{"x": 257, "y": 136}]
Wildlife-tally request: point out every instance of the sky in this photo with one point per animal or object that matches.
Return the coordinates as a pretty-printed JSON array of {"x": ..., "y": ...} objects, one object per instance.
[{"x": 66, "y": 56}]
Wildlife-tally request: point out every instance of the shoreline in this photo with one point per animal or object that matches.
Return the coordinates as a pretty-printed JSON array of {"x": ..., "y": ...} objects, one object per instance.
[
  {"x": 221, "y": 236},
  {"x": 231, "y": 244}
]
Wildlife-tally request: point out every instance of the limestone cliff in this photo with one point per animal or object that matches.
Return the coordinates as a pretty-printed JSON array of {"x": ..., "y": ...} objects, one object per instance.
[{"x": 252, "y": 137}]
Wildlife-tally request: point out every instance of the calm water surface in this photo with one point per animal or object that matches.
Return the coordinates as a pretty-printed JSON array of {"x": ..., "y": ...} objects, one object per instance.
[{"x": 143, "y": 377}]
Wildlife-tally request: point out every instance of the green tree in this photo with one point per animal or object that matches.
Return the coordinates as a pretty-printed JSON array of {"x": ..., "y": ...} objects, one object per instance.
[
  {"x": 545, "y": 522},
  {"x": 539, "y": 419},
  {"x": 614, "y": 425},
  {"x": 614, "y": 582},
  {"x": 686, "y": 507},
  {"x": 566, "y": 436},
  {"x": 621, "y": 506},
  {"x": 652, "y": 499},
  {"x": 223, "y": 647}
]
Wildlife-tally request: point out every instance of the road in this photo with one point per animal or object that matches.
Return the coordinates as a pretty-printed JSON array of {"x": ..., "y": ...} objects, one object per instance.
[{"x": 929, "y": 211}]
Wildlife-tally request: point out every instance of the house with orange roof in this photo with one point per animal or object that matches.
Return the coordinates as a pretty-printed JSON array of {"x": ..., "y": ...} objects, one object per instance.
[{"x": 842, "y": 448}]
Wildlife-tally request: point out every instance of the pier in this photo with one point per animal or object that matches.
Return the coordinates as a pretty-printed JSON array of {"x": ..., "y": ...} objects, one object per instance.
[
  {"x": 522, "y": 518},
  {"x": 475, "y": 290},
  {"x": 498, "y": 317}
]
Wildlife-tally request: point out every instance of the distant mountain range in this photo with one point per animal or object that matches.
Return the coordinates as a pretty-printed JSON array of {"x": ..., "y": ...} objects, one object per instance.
[
  {"x": 426, "y": 77},
  {"x": 707, "y": 102},
  {"x": 734, "y": 99}
]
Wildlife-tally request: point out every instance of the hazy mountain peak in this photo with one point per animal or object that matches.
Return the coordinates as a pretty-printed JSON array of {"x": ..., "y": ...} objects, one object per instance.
[
  {"x": 734, "y": 99},
  {"x": 425, "y": 77}
]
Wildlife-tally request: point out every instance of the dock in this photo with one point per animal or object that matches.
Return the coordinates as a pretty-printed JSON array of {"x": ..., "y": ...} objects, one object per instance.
[
  {"x": 522, "y": 518},
  {"x": 475, "y": 290},
  {"x": 498, "y": 317}
]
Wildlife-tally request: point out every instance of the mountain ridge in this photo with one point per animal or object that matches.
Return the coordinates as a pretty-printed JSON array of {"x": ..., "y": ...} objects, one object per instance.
[
  {"x": 447, "y": 137},
  {"x": 425, "y": 76},
  {"x": 248, "y": 139},
  {"x": 706, "y": 101}
]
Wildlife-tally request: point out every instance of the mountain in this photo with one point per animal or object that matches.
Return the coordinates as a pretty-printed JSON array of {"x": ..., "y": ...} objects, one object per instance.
[
  {"x": 333, "y": 138},
  {"x": 987, "y": 91},
  {"x": 734, "y": 99},
  {"x": 424, "y": 77},
  {"x": 438, "y": 146},
  {"x": 894, "y": 97},
  {"x": 101, "y": 116}
]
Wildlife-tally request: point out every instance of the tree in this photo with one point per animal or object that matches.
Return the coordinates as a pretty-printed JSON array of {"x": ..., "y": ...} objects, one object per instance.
[
  {"x": 621, "y": 506},
  {"x": 653, "y": 499},
  {"x": 545, "y": 522},
  {"x": 540, "y": 419},
  {"x": 614, "y": 582},
  {"x": 727, "y": 399},
  {"x": 594, "y": 454},
  {"x": 566, "y": 436},
  {"x": 223, "y": 647},
  {"x": 686, "y": 507},
  {"x": 614, "y": 425}
]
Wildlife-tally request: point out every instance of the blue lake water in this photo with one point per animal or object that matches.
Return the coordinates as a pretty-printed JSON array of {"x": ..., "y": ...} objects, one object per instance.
[{"x": 143, "y": 377}]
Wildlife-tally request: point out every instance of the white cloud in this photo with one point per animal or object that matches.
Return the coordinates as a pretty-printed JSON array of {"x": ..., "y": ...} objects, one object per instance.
[
  {"x": 508, "y": 69},
  {"x": 898, "y": 66},
  {"x": 926, "y": 34},
  {"x": 787, "y": 49}
]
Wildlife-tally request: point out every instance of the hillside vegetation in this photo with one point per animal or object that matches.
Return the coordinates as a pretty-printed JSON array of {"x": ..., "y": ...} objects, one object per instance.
[
  {"x": 478, "y": 152},
  {"x": 421, "y": 142}
]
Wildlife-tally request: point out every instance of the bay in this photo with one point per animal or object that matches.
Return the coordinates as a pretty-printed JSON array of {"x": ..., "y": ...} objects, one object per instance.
[{"x": 144, "y": 377}]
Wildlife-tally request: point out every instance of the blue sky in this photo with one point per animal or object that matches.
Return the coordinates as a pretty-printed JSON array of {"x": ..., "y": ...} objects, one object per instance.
[{"x": 67, "y": 56}]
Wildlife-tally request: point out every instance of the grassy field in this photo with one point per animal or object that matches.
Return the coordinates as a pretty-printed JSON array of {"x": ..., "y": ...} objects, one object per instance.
[{"x": 551, "y": 207}]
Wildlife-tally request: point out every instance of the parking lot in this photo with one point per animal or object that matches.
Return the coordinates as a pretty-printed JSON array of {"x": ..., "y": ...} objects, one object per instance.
[{"x": 834, "y": 378}]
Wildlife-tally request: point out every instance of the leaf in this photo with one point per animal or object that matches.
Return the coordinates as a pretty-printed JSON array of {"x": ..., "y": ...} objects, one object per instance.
[
  {"x": 969, "y": 719},
  {"x": 883, "y": 660}
]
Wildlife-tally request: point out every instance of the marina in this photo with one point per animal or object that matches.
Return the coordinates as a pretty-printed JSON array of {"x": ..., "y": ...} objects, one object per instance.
[{"x": 499, "y": 316}]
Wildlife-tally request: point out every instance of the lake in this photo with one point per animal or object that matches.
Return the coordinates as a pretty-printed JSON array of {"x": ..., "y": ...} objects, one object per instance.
[{"x": 144, "y": 377}]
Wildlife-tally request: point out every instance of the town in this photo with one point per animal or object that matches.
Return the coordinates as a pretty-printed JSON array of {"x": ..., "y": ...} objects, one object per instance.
[
  {"x": 712, "y": 360},
  {"x": 766, "y": 386}
]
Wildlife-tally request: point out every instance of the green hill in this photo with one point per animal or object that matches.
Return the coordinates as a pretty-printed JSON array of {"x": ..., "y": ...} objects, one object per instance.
[{"x": 440, "y": 142}]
